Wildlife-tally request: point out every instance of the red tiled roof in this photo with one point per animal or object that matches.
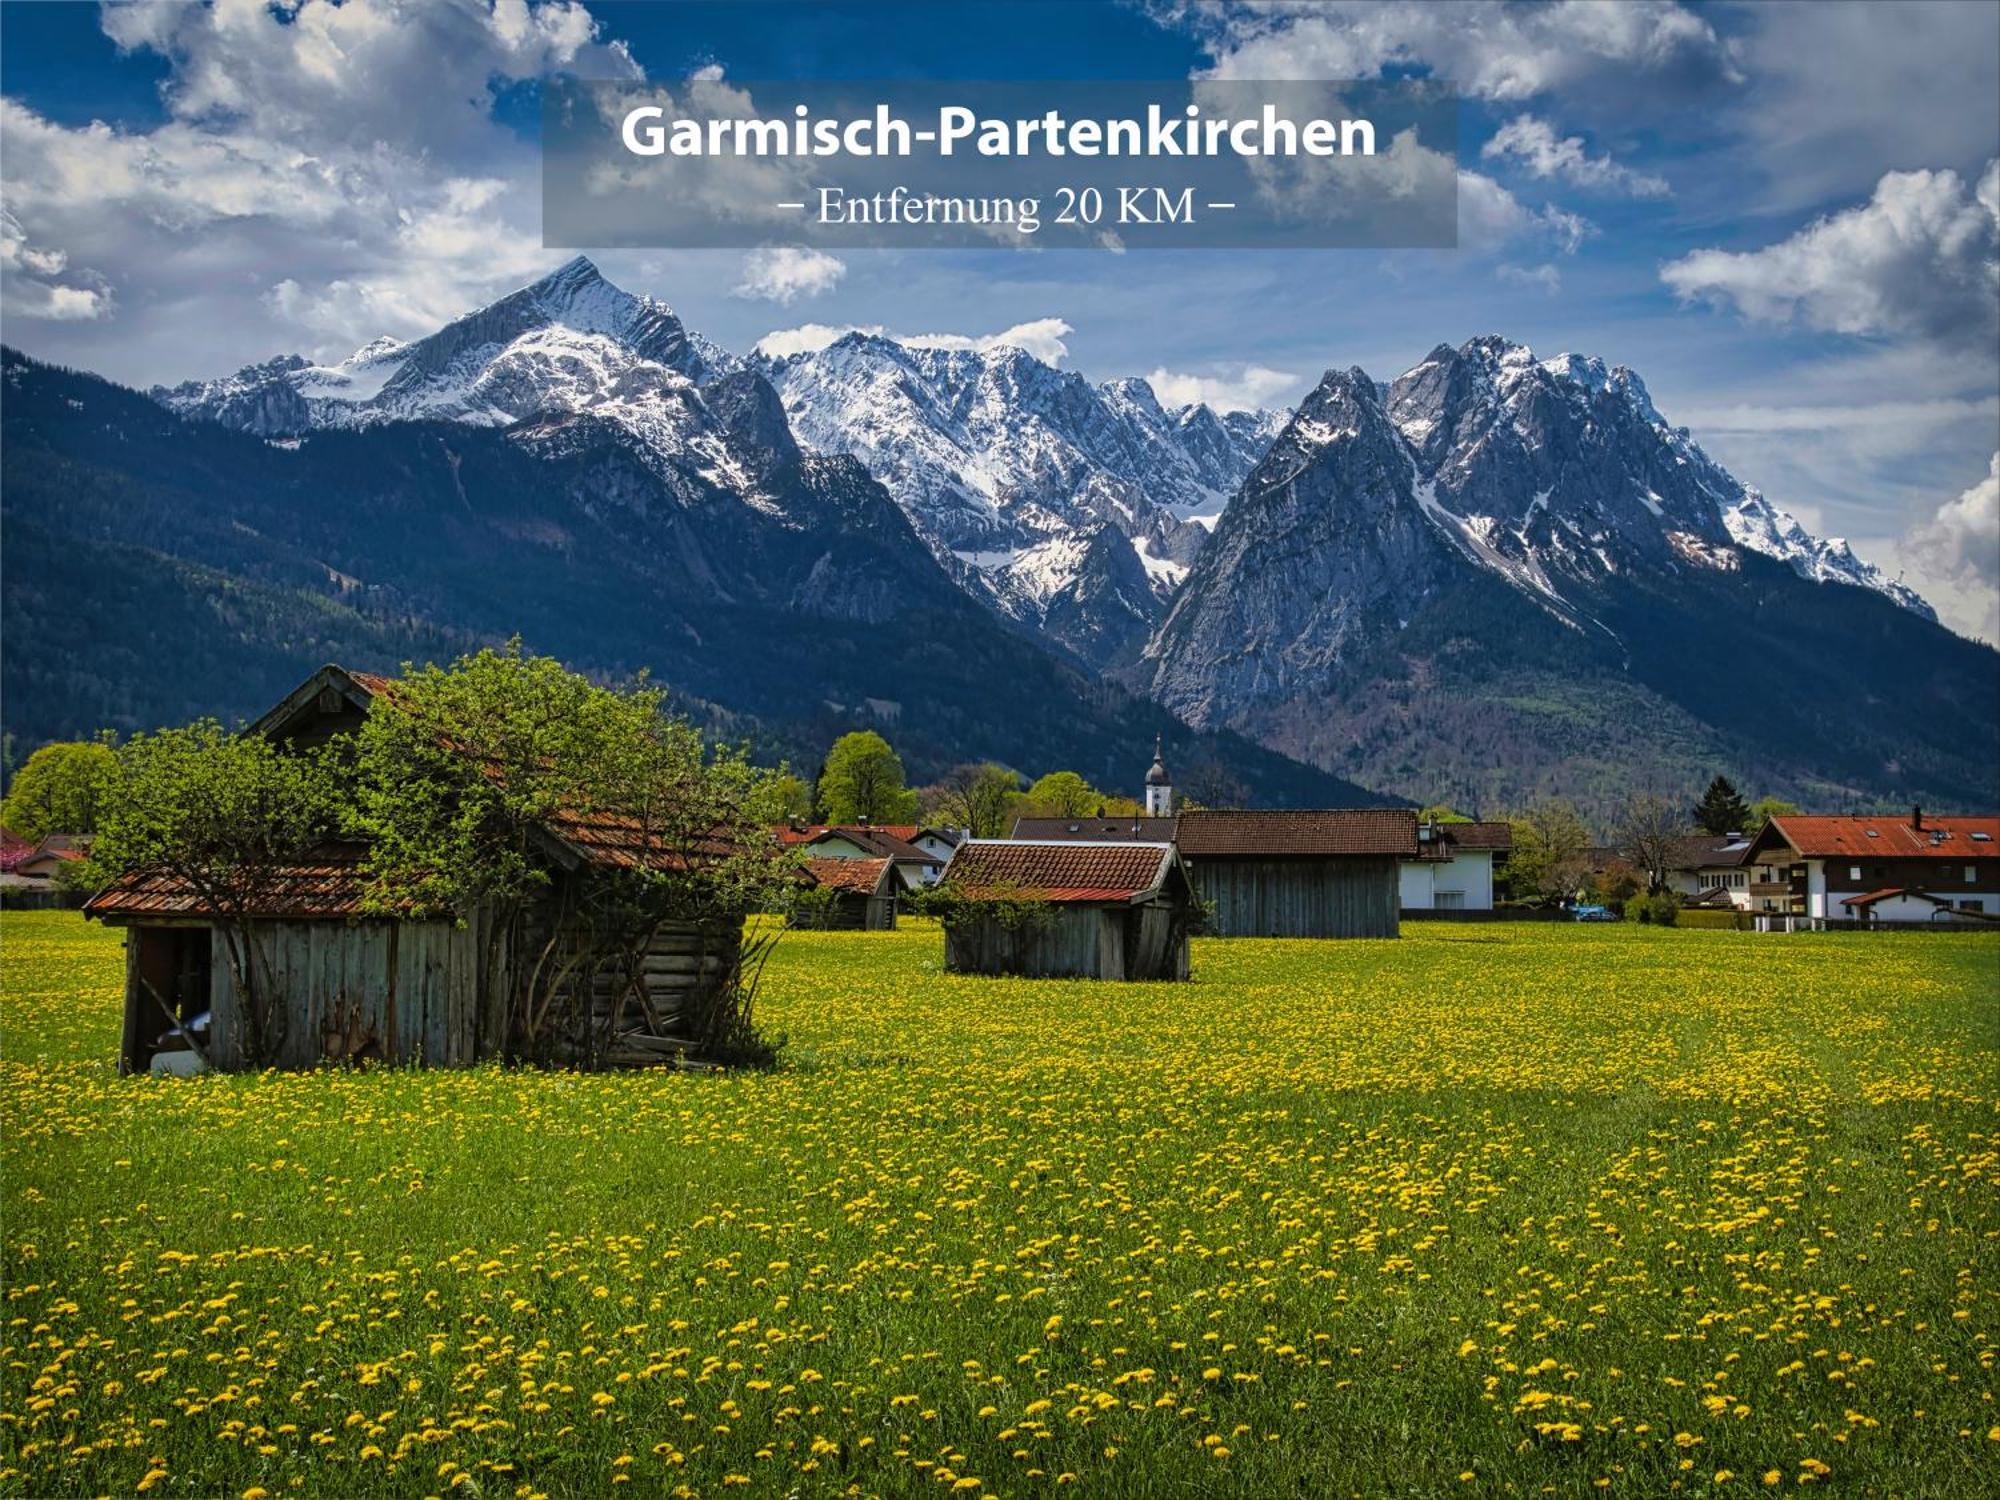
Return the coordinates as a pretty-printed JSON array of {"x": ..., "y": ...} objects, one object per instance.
[
  {"x": 863, "y": 875},
  {"x": 1057, "y": 872},
  {"x": 1953, "y": 838},
  {"x": 329, "y": 884},
  {"x": 1335, "y": 831}
]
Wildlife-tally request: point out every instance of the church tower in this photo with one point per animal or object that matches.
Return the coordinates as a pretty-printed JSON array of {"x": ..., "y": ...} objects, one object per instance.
[{"x": 1159, "y": 787}]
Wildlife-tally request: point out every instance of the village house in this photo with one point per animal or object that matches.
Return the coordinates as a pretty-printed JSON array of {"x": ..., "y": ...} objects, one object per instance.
[
  {"x": 1068, "y": 910},
  {"x": 918, "y": 853},
  {"x": 28, "y": 869},
  {"x": 1099, "y": 830},
  {"x": 1900, "y": 868},
  {"x": 1712, "y": 870},
  {"x": 860, "y": 894},
  {"x": 1454, "y": 873},
  {"x": 345, "y": 986}
]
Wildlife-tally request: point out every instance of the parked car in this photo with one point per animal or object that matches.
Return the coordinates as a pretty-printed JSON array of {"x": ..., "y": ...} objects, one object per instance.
[{"x": 1594, "y": 914}]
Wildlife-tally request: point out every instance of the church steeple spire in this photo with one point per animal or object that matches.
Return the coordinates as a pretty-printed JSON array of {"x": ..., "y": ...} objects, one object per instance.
[{"x": 1159, "y": 785}]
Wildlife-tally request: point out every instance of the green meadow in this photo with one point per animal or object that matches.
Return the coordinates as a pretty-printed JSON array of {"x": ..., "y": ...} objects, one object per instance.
[{"x": 1505, "y": 1209}]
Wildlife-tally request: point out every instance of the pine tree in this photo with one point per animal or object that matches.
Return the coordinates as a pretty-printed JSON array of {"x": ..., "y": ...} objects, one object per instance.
[{"x": 1722, "y": 809}]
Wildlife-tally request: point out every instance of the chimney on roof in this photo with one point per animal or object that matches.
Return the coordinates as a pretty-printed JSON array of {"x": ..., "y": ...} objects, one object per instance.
[
  {"x": 1916, "y": 817},
  {"x": 864, "y": 820}
]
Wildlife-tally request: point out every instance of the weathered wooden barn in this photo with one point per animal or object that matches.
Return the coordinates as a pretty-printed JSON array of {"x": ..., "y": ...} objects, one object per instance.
[
  {"x": 349, "y": 987},
  {"x": 1068, "y": 910},
  {"x": 861, "y": 894},
  {"x": 1313, "y": 874}
]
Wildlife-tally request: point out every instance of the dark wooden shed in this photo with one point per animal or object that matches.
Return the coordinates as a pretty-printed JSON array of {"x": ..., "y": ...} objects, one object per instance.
[
  {"x": 349, "y": 987},
  {"x": 861, "y": 894},
  {"x": 1068, "y": 910},
  {"x": 1330, "y": 873}
]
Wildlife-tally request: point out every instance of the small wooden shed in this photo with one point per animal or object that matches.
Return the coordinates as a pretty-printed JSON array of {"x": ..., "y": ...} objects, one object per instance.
[
  {"x": 349, "y": 987},
  {"x": 861, "y": 892},
  {"x": 1327, "y": 873},
  {"x": 1068, "y": 910}
]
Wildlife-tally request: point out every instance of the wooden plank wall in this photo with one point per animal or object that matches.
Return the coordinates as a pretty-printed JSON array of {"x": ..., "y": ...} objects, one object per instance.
[
  {"x": 1072, "y": 945},
  {"x": 394, "y": 992},
  {"x": 1313, "y": 898}
]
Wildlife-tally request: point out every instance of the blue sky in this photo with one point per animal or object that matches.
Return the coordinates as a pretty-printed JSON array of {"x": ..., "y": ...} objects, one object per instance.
[{"x": 1774, "y": 213}]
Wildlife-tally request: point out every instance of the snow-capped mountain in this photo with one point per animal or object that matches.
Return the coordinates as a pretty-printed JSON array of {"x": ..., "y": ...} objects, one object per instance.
[
  {"x": 571, "y": 341},
  {"x": 1011, "y": 468},
  {"x": 1523, "y": 555},
  {"x": 1756, "y": 523}
]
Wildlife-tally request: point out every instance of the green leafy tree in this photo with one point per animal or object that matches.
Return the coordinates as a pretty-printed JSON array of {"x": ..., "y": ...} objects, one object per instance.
[
  {"x": 1721, "y": 809},
  {"x": 784, "y": 796},
  {"x": 223, "y": 814},
  {"x": 1062, "y": 794},
  {"x": 980, "y": 798},
  {"x": 863, "y": 778},
  {"x": 1766, "y": 808},
  {"x": 464, "y": 772},
  {"x": 1550, "y": 857},
  {"x": 61, "y": 788}
]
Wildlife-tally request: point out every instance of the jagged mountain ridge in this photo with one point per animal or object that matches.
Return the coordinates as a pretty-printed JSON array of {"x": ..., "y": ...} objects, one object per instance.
[
  {"x": 162, "y": 567},
  {"x": 1007, "y": 466},
  {"x": 1010, "y": 467},
  {"x": 1496, "y": 565}
]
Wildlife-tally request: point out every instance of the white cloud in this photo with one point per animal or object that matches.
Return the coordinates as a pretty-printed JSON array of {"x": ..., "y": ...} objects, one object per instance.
[
  {"x": 810, "y": 338},
  {"x": 1545, "y": 277},
  {"x": 31, "y": 285},
  {"x": 1245, "y": 387},
  {"x": 348, "y": 150},
  {"x": 1042, "y": 337},
  {"x": 1956, "y": 556},
  {"x": 1490, "y": 217},
  {"x": 1489, "y": 48},
  {"x": 1534, "y": 144},
  {"x": 1921, "y": 258},
  {"x": 788, "y": 273}
]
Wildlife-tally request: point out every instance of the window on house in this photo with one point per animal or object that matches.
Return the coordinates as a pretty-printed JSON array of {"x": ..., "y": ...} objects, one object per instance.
[
  {"x": 1972, "y": 906},
  {"x": 1854, "y": 872},
  {"x": 1971, "y": 873},
  {"x": 1450, "y": 900}
]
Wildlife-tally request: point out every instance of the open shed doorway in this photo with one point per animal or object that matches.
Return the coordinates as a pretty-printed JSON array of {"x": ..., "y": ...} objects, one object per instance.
[{"x": 167, "y": 1007}]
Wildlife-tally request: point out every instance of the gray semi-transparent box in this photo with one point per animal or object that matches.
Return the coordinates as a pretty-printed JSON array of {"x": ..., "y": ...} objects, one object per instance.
[{"x": 911, "y": 164}]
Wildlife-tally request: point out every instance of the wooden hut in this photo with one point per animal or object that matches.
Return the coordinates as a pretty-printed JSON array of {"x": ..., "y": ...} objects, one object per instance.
[
  {"x": 860, "y": 894},
  {"x": 1312, "y": 874},
  {"x": 346, "y": 987},
  {"x": 1068, "y": 910}
]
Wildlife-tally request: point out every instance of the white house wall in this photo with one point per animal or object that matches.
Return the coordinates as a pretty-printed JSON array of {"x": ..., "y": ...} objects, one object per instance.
[{"x": 1469, "y": 873}]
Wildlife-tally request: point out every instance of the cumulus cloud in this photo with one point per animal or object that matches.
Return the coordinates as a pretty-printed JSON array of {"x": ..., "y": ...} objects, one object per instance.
[
  {"x": 324, "y": 174},
  {"x": 788, "y": 273},
  {"x": 1245, "y": 387},
  {"x": 31, "y": 284},
  {"x": 1920, "y": 258},
  {"x": 1489, "y": 48},
  {"x": 1534, "y": 145},
  {"x": 1957, "y": 554},
  {"x": 1041, "y": 337}
]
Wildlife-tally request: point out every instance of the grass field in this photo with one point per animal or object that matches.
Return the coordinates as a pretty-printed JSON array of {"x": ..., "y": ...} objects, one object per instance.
[{"x": 1489, "y": 1210}]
